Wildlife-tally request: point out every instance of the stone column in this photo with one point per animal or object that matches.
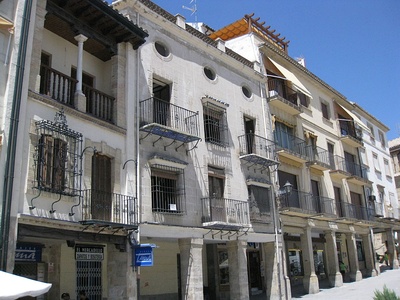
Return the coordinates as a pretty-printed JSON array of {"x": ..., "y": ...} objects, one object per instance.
[
  {"x": 121, "y": 276},
  {"x": 369, "y": 255},
  {"x": 391, "y": 249},
  {"x": 238, "y": 278},
  {"x": 334, "y": 276},
  {"x": 191, "y": 268},
  {"x": 273, "y": 266},
  {"x": 34, "y": 78},
  {"x": 310, "y": 280},
  {"x": 355, "y": 274},
  {"x": 80, "y": 99}
]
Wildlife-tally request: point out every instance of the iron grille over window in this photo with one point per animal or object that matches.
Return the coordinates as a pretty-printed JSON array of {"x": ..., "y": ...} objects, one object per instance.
[
  {"x": 57, "y": 157},
  {"x": 167, "y": 189},
  {"x": 215, "y": 125}
]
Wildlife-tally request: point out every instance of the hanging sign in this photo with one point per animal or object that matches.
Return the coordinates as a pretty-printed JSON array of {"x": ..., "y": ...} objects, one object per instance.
[{"x": 143, "y": 255}]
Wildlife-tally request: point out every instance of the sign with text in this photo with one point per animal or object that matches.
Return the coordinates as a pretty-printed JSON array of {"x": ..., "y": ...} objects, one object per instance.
[
  {"x": 92, "y": 253},
  {"x": 28, "y": 253},
  {"x": 143, "y": 255}
]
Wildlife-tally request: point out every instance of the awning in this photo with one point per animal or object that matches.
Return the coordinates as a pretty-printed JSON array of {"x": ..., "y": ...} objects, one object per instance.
[
  {"x": 14, "y": 286},
  {"x": 5, "y": 23},
  {"x": 290, "y": 76},
  {"x": 356, "y": 119}
]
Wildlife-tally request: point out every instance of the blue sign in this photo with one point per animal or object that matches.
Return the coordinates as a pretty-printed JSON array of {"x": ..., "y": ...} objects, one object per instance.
[
  {"x": 143, "y": 255},
  {"x": 28, "y": 253}
]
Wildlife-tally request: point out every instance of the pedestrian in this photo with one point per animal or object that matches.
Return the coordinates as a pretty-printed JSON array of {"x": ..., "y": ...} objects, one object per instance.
[
  {"x": 386, "y": 258},
  {"x": 65, "y": 296},
  {"x": 342, "y": 268},
  {"x": 82, "y": 295}
]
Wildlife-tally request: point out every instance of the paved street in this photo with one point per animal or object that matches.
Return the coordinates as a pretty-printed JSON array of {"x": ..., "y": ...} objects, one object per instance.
[{"x": 363, "y": 289}]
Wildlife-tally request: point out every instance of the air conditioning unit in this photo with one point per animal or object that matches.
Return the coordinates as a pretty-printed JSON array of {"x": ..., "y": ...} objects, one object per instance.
[{"x": 371, "y": 198}]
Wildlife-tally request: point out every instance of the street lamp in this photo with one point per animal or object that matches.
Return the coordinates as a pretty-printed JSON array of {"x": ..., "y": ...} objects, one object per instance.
[{"x": 288, "y": 187}]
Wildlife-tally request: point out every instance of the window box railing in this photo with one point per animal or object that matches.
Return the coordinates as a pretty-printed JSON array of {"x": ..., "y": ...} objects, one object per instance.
[
  {"x": 57, "y": 85},
  {"x": 293, "y": 144},
  {"x": 108, "y": 207},
  {"x": 223, "y": 210},
  {"x": 163, "y": 113},
  {"x": 251, "y": 143},
  {"x": 98, "y": 103}
]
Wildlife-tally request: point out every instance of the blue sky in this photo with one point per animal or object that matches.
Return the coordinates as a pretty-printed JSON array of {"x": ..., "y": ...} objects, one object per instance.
[{"x": 353, "y": 45}]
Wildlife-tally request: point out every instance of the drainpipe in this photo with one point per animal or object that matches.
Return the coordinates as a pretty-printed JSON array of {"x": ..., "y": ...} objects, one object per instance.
[{"x": 12, "y": 137}]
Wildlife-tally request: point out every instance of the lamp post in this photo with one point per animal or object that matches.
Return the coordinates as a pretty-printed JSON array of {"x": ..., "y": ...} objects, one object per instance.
[{"x": 288, "y": 187}]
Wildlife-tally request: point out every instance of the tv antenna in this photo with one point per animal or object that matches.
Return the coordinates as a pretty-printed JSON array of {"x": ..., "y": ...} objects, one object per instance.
[{"x": 193, "y": 9}]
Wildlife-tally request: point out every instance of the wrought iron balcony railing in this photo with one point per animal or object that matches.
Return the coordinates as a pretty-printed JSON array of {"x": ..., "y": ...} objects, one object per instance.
[
  {"x": 303, "y": 201},
  {"x": 280, "y": 88},
  {"x": 291, "y": 143},
  {"x": 166, "y": 119},
  {"x": 108, "y": 207},
  {"x": 356, "y": 169},
  {"x": 262, "y": 148},
  {"x": 225, "y": 211},
  {"x": 349, "y": 129},
  {"x": 320, "y": 156},
  {"x": 352, "y": 211}
]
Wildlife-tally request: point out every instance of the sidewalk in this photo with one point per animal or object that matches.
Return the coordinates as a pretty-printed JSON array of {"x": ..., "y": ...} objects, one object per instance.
[{"x": 363, "y": 289}]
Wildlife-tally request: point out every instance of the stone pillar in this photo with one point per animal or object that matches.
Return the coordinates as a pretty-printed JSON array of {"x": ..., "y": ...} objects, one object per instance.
[
  {"x": 121, "y": 276},
  {"x": 355, "y": 274},
  {"x": 80, "y": 99},
  {"x": 34, "y": 78},
  {"x": 310, "y": 280},
  {"x": 334, "y": 276},
  {"x": 369, "y": 255},
  {"x": 191, "y": 268},
  {"x": 273, "y": 277},
  {"x": 238, "y": 278},
  {"x": 391, "y": 249}
]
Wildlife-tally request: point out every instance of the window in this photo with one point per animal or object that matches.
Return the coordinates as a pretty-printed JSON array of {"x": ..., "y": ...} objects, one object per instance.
[
  {"x": 387, "y": 167},
  {"x": 52, "y": 157},
  {"x": 304, "y": 100},
  {"x": 382, "y": 139},
  {"x": 215, "y": 127},
  {"x": 371, "y": 134},
  {"x": 161, "y": 49},
  {"x": 376, "y": 162},
  {"x": 363, "y": 156},
  {"x": 325, "y": 110},
  {"x": 57, "y": 155},
  {"x": 167, "y": 191},
  {"x": 259, "y": 202},
  {"x": 246, "y": 91},
  {"x": 210, "y": 74}
]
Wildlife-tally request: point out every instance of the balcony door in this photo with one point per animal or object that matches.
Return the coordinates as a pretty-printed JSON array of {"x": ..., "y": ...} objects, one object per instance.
[
  {"x": 161, "y": 102},
  {"x": 350, "y": 161},
  {"x": 284, "y": 135},
  {"x": 249, "y": 127},
  {"x": 216, "y": 191},
  {"x": 315, "y": 193},
  {"x": 338, "y": 201},
  {"x": 291, "y": 199},
  {"x": 101, "y": 200}
]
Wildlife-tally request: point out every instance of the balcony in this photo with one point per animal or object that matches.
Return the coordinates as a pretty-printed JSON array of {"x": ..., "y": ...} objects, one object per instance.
[
  {"x": 108, "y": 208},
  {"x": 255, "y": 149},
  {"x": 350, "y": 135},
  {"x": 165, "y": 119},
  {"x": 320, "y": 159},
  {"x": 339, "y": 170},
  {"x": 222, "y": 213},
  {"x": 358, "y": 173},
  {"x": 282, "y": 97},
  {"x": 355, "y": 212},
  {"x": 61, "y": 88},
  {"x": 291, "y": 147}
]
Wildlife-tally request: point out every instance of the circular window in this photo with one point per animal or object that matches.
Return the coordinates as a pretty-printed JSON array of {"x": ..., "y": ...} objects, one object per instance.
[
  {"x": 209, "y": 73},
  {"x": 161, "y": 49},
  {"x": 247, "y": 92}
]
